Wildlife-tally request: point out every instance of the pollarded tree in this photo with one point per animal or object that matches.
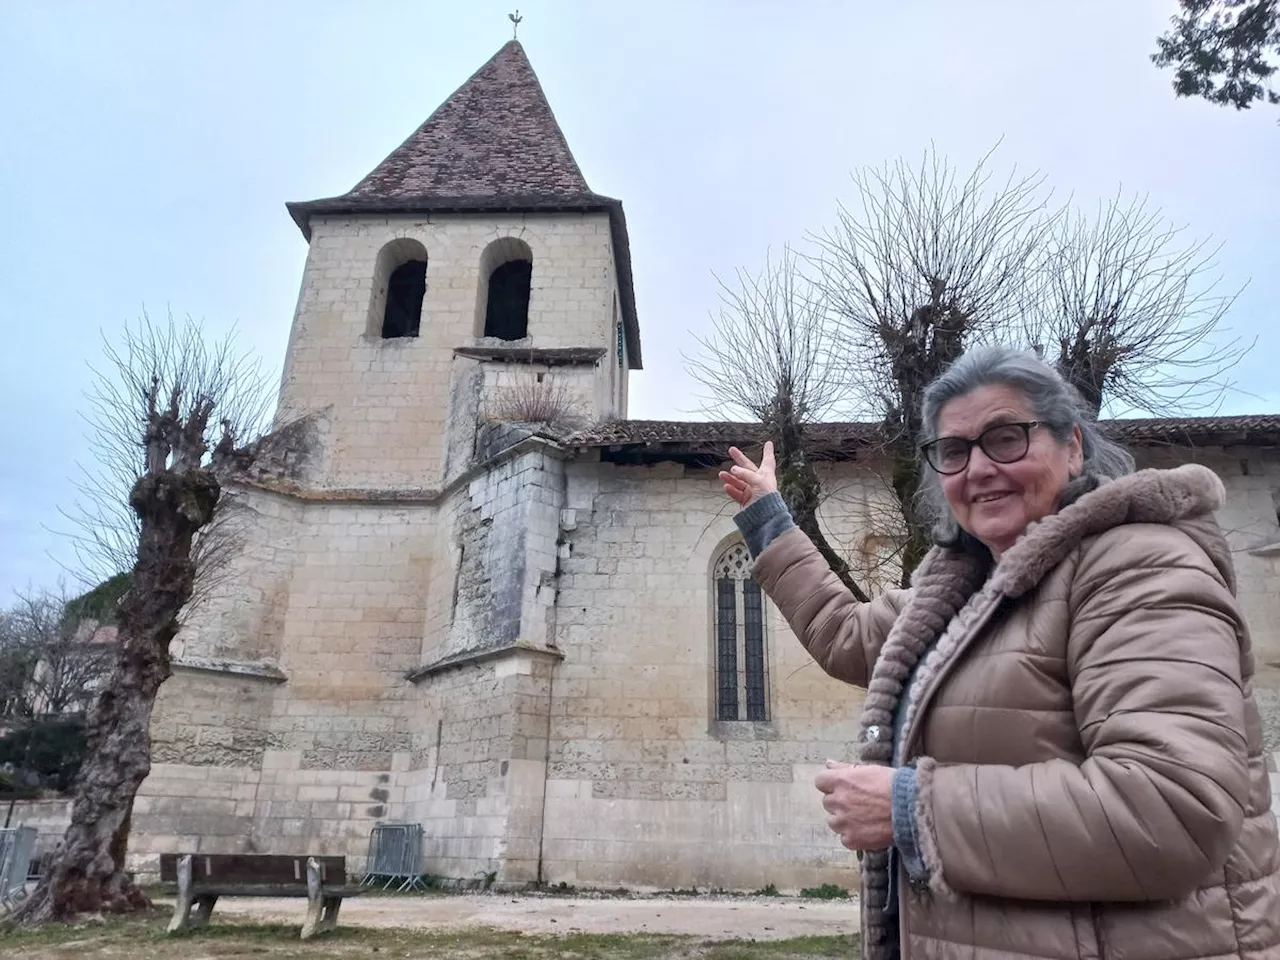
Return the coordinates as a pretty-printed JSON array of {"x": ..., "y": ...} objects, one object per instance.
[
  {"x": 1130, "y": 312},
  {"x": 924, "y": 265},
  {"x": 169, "y": 415}
]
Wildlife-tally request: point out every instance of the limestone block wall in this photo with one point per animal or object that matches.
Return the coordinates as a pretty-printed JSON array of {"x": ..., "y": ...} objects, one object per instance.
[
  {"x": 479, "y": 767},
  {"x": 389, "y": 400},
  {"x": 504, "y": 536},
  {"x": 480, "y": 734},
  {"x": 245, "y": 600},
  {"x": 306, "y": 756},
  {"x": 645, "y": 787}
]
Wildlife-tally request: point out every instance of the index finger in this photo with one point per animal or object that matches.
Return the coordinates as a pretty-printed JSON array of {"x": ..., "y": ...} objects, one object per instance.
[
  {"x": 740, "y": 458},
  {"x": 826, "y": 781}
]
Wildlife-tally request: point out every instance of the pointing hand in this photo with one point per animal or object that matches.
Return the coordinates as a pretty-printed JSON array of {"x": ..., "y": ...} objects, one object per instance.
[{"x": 745, "y": 482}]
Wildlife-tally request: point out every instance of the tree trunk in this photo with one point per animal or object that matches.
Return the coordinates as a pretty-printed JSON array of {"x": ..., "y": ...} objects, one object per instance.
[
  {"x": 930, "y": 341},
  {"x": 87, "y": 874},
  {"x": 801, "y": 490},
  {"x": 906, "y": 481}
]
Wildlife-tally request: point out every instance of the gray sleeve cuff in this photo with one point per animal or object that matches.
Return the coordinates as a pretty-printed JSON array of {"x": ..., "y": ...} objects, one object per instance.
[
  {"x": 762, "y": 521},
  {"x": 905, "y": 837}
]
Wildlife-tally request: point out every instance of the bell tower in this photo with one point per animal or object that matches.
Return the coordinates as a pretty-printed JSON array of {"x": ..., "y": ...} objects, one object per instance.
[{"x": 472, "y": 274}]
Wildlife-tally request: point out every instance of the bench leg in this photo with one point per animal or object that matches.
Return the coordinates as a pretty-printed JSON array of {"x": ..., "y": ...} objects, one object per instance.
[
  {"x": 182, "y": 907},
  {"x": 315, "y": 901},
  {"x": 204, "y": 906},
  {"x": 329, "y": 919}
]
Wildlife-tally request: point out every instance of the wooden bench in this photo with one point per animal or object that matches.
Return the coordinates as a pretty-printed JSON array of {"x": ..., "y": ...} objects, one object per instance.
[{"x": 204, "y": 877}]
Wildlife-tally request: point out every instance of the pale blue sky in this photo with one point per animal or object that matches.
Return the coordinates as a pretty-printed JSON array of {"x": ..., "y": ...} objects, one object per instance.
[{"x": 147, "y": 150}]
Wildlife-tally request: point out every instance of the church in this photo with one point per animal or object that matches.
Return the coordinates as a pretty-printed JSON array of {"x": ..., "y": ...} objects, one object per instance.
[{"x": 544, "y": 647}]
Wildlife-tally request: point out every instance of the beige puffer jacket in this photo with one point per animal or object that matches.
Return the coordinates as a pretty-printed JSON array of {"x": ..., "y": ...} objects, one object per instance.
[{"x": 1089, "y": 753}]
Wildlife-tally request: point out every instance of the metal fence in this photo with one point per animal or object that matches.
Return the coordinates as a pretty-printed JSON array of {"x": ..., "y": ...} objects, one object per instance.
[
  {"x": 395, "y": 855},
  {"x": 17, "y": 844}
]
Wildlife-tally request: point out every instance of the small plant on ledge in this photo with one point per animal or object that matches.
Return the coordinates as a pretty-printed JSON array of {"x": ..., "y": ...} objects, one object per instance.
[{"x": 537, "y": 398}]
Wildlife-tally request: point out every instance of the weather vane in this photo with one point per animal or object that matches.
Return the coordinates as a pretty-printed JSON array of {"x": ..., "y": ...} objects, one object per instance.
[{"x": 515, "y": 19}]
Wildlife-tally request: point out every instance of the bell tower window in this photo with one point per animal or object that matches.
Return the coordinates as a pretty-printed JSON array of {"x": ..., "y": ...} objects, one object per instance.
[
  {"x": 399, "y": 287},
  {"x": 405, "y": 290},
  {"x": 506, "y": 278}
]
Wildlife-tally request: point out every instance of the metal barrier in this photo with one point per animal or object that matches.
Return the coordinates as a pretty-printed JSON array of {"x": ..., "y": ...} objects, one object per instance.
[
  {"x": 17, "y": 844},
  {"x": 395, "y": 853}
]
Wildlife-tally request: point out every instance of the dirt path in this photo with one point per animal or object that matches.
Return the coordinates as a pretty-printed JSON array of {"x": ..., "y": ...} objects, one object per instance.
[{"x": 741, "y": 918}]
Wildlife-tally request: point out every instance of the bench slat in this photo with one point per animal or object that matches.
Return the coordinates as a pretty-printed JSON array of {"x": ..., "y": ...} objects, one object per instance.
[
  {"x": 237, "y": 868},
  {"x": 268, "y": 890}
]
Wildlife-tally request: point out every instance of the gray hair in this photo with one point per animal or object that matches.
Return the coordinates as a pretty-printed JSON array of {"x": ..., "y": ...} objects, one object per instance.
[{"x": 1053, "y": 401}]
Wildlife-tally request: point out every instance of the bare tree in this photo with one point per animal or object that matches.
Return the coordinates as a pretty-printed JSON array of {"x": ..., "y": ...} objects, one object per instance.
[
  {"x": 161, "y": 401},
  {"x": 1130, "y": 313},
  {"x": 63, "y": 666},
  {"x": 18, "y": 659},
  {"x": 925, "y": 265},
  {"x": 773, "y": 357}
]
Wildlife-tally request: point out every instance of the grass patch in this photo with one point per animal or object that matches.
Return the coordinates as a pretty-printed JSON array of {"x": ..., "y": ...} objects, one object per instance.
[
  {"x": 828, "y": 891},
  {"x": 142, "y": 937}
]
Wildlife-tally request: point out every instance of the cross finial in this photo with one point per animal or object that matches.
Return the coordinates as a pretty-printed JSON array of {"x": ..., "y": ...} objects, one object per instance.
[{"x": 515, "y": 19}]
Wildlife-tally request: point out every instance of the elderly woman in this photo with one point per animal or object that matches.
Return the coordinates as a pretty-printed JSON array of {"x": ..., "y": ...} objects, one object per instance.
[{"x": 1062, "y": 756}]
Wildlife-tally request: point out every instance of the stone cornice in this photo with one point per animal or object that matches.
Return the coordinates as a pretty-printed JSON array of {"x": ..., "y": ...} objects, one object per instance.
[
  {"x": 402, "y": 496},
  {"x": 468, "y": 657},
  {"x": 246, "y": 669}
]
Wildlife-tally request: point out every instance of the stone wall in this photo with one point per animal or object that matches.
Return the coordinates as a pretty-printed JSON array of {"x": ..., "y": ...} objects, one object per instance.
[
  {"x": 645, "y": 788},
  {"x": 291, "y": 740},
  {"x": 480, "y": 766}
]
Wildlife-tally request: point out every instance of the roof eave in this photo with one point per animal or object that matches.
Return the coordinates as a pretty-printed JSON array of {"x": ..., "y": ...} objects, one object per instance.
[{"x": 846, "y": 439}]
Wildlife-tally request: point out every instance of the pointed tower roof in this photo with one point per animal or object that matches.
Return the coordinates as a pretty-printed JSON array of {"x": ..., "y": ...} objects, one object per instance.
[{"x": 493, "y": 145}]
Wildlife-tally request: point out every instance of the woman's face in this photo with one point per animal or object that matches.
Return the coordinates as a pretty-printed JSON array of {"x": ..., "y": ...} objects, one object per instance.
[{"x": 995, "y": 502}]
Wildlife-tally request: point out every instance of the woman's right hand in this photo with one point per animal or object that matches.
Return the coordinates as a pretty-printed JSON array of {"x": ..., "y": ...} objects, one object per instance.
[{"x": 744, "y": 482}]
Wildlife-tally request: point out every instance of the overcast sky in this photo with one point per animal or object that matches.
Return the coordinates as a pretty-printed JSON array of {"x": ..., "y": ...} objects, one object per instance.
[{"x": 147, "y": 151}]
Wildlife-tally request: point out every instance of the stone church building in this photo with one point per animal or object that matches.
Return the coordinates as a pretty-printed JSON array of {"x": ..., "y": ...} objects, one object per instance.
[{"x": 543, "y": 648}]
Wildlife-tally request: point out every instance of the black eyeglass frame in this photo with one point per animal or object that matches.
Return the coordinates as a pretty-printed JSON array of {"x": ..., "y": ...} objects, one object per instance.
[{"x": 1026, "y": 425}]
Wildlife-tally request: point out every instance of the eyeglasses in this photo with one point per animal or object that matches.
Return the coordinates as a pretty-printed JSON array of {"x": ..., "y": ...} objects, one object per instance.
[{"x": 1003, "y": 443}]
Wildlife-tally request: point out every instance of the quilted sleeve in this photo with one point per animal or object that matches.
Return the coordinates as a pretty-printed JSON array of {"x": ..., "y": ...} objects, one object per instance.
[{"x": 842, "y": 635}]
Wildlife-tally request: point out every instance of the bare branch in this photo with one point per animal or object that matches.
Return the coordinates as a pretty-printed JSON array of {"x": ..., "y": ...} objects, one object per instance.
[
  {"x": 773, "y": 335},
  {"x": 1131, "y": 312},
  {"x": 133, "y": 432},
  {"x": 921, "y": 239}
]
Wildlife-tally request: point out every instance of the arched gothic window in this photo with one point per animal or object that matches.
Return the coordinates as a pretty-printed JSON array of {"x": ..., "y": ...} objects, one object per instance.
[{"x": 741, "y": 662}]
